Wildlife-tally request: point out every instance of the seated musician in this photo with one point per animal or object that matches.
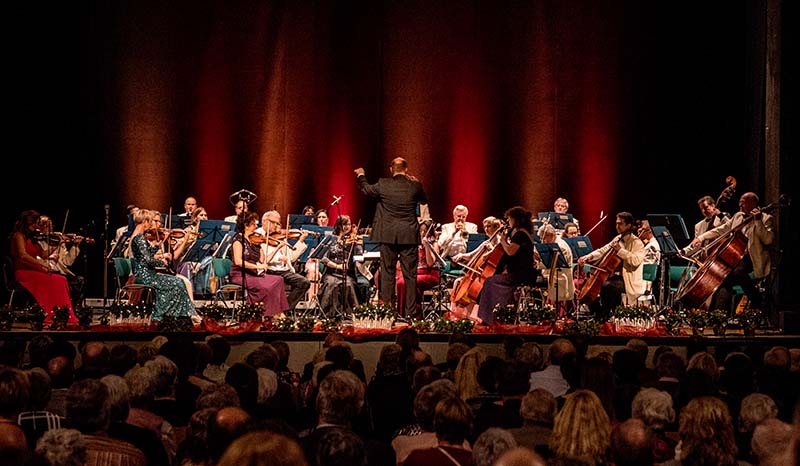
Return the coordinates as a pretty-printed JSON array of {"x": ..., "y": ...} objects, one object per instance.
[
  {"x": 566, "y": 285},
  {"x": 562, "y": 207},
  {"x": 238, "y": 208},
  {"x": 626, "y": 285},
  {"x": 652, "y": 250},
  {"x": 192, "y": 269},
  {"x": 339, "y": 272},
  {"x": 760, "y": 234},
  {"x": 570, "y": 230},
  {"x": 164, "y": 249},
  {"x": 248, "y": 256},
  {"x": 514, "y": 268},
  {"x": 490, "y": 226},
  {"x": 60, "y": 255},
  {"x": 454, "y": 235},
  {"x": 283, "y": 257},
  {"x": 427, "y": 270}
]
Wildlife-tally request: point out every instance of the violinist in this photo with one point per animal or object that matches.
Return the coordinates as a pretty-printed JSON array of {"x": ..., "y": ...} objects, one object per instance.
[
  {"x": 339, "y": 276},
  {"x": 196, "y": 272},
  {"x": 628, "y": 281},
  {"x": 61, "y": 252},
  {"x": 32, "y": 271},
  {"x": 172, "y": 293},
  {"x": 760, "y": 233},
  {"x": 248, "y": 255},
  {"x": 515, "y": 267},
  {"x": 282, "y": 255}
]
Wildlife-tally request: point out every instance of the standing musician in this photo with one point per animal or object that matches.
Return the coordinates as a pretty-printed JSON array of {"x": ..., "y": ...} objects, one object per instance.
[
  {"x": 626, "y": 282},
  {"x": 396, "y": 227},
  {"x": 339, "y": 275},
  {"x": 61, "y": 254},
  {"x": 454, "y": 236},
  {"x": 514, "y": 268},
  {"x": 760, "y": 234},
  {"x": 712, "y": 217},
  {"x": 282, "y": 257}
]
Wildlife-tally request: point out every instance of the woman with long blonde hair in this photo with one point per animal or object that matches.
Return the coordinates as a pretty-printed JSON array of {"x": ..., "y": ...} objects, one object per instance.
[
  {"x": 466, "y": 375},
  {"x": 582, "y": 430}
]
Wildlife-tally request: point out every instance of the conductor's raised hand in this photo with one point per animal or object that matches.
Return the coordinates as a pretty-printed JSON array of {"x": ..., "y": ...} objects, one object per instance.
[{"x": 359, "y": 171}]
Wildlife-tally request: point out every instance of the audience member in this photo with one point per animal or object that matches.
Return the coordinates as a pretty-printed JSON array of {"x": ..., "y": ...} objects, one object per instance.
[
  {"x": 466, "y": 375},
  {"x": 772, "y": 443},
  {"x": 581, "y": 431},
  {"x": 263, "y": 449},
  {"x": 655, "y": 409},
  {"x": 37, "y": 420},
  {"x": 220, "y": 350},
  {"x": 422, "y": 435},
  {"x": 631, "y": 444},
  {"x": 550, "y": 377},
  {"x": 224, "y": 427},
  {"x": 389, "y": 396},
  {"x": 63, "y": 447},
  {"x": 538, "y": 411},
  {"x": 706, "y": 433},
  {"x": 95, "y": 358},
  {"x": 490, "y": 445},
  {"x": 452, "y": 423},
  {"x": 341, "y": 447},
  {"x": 520, "y": 456},
  {"x": 14, "y": 395},
  {"x": 755, "y": 408}
]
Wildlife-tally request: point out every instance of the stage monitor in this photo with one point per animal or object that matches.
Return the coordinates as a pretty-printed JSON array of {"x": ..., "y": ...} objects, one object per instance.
[
  {"x": 580, "y": 246},
  {"x": 673, "y": 223},
  {"x": 557, "y": 219}
]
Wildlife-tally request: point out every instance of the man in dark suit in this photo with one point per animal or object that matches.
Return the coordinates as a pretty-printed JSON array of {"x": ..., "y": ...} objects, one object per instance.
[{"x": 396, "y": 227}]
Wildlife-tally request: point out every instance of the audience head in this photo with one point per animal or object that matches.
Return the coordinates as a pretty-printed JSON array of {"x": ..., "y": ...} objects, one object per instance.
[
  {"x": 772, "y": 443},
  {"x": 779, "y": 358},
  {"x": 12, "y": 439},
  {"x": 558, "y": 348},
  {"x": 87, "y": 406},
  {"x": 122, "y": 359},
  {"x": 705, "y": 362},
  {"x": 220, "y": 349},
  {"x": 653, "y": 407},
  {"x": 283, "y": 353},
  {"x": 95, "y": 355},
  {"x": 224, "y": 427},
  {"x": 244, "y": 379},
  {"x": 539, "y": 406},
  {"x": 40, "y": 388},
  {"x": 408, "y": 339},
  {"x": 490, "y": 445},
  {"x": 264, "y": 356},
  {"x": 217, "y": 396},
  {"x": 670, "y": 364},
  {"x": 263, "y": 449},
  {"x": 632, "y": 444},
  {"x": 428, "y": 397},
  {"x": 340, "y": 397},
  {"x": 520, "y": 456},
  {"x": 510, "y": 345},
  {"x": 640, "y": 347},
  {"x": 513, "y": 380},
  {"x": 39, "y": 350},
  {"x": 340, "y": 354},
  {"x": 530, "y": 355},
  {"x": 755, "y": 408},
  {"x": 119, "y": 396},
  {"x": 452, "y": 421},
  {"x": 142, "y": 384},
  {"x": 706, "y": 432},
  {"x": 454, "y": 353},
  {"x": 267, "y": 385},
  {"x": 425, "y": 375},
  {"x": 389, "y": 361},
  {"x": 165, "y": 374},
  {"x": 61, "y": 371},
  {"x": 62, "y": 447},
  {"x": 183, "y": 353},
  {"x": 467, "y": 371},
  {"x": 488, "y": 375},
  {"x": 582, "y": 429},
  {"x": 341, "y": 447},
  {"x": 15, "y": 392}
]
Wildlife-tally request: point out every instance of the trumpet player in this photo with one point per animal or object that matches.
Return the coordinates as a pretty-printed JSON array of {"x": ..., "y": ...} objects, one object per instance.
[{"x": 454, "y": 236}]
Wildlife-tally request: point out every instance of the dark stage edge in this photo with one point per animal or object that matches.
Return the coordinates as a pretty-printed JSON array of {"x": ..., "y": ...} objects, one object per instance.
[{"x": 771, "y": 339}]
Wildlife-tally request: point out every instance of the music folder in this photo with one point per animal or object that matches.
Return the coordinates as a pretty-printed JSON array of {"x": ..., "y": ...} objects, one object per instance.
[
  {"x": 672, "y": 222},
  {"x": 557, "y": 219},
  {"x": 580, "y": 246},
  {"x": 547, "y": 251}
]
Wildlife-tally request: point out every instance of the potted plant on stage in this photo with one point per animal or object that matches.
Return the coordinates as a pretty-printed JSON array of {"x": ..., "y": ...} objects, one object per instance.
[
  {"x": 697, "y": 320},
  {"x": 35, "y": 315},
  {"x": 718, "y": 321},
  {"x": 85, "y": 314},
  {"x": 6, "y": 317},
  {"x": 749, "y": 319}
]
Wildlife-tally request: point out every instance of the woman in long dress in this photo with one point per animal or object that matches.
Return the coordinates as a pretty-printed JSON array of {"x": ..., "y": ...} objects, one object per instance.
[
  {"x": 171, "y": 299},
  {"x": 248, "y": 255},
  {"x": 31, "y": 269}
]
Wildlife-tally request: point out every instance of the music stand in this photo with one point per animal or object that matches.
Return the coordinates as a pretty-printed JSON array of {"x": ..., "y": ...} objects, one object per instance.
[
  {"x": 668, "y": 250},
  {"x": 557, "y": 219},
  {"x": 300, "y": 221},
  {"x": 673, "y": 222},
  {"x": 475, "y": 240},
  {"x": 580, "y": 245},
  {"x": 548, "y": 253}
]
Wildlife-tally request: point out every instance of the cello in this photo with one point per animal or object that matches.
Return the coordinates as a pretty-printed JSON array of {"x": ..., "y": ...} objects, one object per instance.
[
  {"x": 606, "y": 267},
  {"x": 482, "y": 265},
  {"x": 728, "y": 250}
]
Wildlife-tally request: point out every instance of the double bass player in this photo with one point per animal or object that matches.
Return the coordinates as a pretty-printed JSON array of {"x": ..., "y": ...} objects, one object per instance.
[
  {"x": 623, "y": 285},
  {"x": 760, "y": 233}
]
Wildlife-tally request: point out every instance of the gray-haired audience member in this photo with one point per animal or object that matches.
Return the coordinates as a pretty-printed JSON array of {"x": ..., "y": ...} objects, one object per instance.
[
  {"x": 756, "y": 407},
  {"x": 218, "y": 396},
  {"x": 490, "y": 445},
  {"x": 771, "y": 443},
  {"x": 632, "y": 444},
  {"x": 538, "y": 409},
  {"x": 62, "y": 447},
  {"x": 341, "y": 447},
  {"x": 520, "y": 456},
  {"x": 550, "y": 377},
  {"x": 654, "y": 408}
]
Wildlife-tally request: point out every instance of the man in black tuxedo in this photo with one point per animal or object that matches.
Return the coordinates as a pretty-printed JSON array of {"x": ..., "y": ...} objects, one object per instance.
[{"x": 396, "y": 227}]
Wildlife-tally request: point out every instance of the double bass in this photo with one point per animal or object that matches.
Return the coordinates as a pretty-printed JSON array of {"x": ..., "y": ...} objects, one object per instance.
[
  {"x": 727, "y": 251},
  {"x": 482, "y": 265}
]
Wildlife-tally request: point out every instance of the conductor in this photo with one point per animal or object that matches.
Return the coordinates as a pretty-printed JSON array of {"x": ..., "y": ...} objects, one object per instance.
[{"x": 396, "y": 227}]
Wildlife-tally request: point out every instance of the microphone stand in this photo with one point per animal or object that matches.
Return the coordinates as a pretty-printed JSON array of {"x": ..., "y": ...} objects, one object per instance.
[{"x": 105, "y": 256}]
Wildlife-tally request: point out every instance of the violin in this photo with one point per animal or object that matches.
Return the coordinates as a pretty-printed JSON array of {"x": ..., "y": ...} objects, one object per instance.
[
  {"x": 55, "y": 239},
  {"x": 258, "y": 238},
  {"x": 70, "y": 238},
  {"x": 158, "y": 235},
  {"x": 294, "y": 233}
]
